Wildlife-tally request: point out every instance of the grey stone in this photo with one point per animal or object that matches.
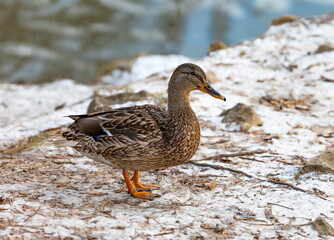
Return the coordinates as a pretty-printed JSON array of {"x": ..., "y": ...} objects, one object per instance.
[{"x": 242, "y": 115}]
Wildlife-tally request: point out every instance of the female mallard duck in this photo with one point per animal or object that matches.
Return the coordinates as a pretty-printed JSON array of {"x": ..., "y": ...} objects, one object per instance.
[{"x": 145, "y": 137}]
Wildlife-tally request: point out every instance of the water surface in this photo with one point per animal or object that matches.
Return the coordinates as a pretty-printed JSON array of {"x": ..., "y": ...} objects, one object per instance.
[{"x": 44, "y": 40}]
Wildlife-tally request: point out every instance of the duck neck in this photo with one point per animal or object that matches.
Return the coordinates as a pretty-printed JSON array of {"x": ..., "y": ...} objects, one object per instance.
[{"x": 178, "y": 104}]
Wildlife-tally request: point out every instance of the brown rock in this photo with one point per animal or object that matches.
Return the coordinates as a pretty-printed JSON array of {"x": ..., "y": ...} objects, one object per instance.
[
  {"x": 324, "y": 48},
  {"x": 215, "y": 46},
  {"x": 323, "y": 163},
  {"x": 124, "y": 64},
  {"x": 212, "y": 77},
  {"x": 322, "y": 227},
  {"x": 102, "y": 103},
  {"x": 284, "y": 19},
  {"x": 242, "y": 115}
]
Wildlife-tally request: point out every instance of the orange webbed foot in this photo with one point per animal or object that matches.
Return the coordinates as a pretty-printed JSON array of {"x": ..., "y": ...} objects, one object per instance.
[
  {"x": 134, "y": 182},
  {"x": 144, "y": 195},
  {"x": 146, "y": 187}
]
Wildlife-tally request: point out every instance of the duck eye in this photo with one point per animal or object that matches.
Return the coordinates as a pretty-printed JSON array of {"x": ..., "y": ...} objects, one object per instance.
[{"x": 193, "y": 73}]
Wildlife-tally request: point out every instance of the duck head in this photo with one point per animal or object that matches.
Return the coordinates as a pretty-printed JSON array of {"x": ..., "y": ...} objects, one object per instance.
[{"x": 190, "y": 77}]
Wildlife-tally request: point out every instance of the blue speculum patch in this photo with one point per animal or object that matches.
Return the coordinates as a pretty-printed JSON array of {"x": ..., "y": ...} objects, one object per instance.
[{"x": 97, "y": 136}]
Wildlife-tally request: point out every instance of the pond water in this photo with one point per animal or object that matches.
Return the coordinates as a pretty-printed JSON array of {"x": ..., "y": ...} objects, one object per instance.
[{"x": 43, "y": 40}]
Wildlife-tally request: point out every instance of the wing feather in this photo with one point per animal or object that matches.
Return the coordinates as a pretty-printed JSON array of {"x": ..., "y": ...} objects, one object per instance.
[{"x": 138, "y": 125}]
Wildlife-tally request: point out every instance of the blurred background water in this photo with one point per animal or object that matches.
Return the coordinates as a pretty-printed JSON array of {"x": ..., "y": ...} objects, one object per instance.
[{"x": 44, "y": 40}]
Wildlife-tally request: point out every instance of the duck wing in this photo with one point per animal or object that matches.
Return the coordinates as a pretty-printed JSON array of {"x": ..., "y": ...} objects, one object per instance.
[{"x": 123, "y": 126}]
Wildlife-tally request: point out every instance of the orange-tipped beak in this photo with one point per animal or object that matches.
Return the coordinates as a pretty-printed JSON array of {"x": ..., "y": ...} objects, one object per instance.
[{"x": 206, "y": 88}]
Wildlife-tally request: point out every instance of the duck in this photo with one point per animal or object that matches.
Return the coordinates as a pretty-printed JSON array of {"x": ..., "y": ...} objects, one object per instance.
[{"x": 145, "y": 137}]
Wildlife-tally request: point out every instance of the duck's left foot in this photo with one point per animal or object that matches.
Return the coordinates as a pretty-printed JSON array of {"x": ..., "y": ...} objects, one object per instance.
[
  {"x": 146, "y": 187},
  {"x": 134, "y": 182},
  {"x": 144, "y": 195}
]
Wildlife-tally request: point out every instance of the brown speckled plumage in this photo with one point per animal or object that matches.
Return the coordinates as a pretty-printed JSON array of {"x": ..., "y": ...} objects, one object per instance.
[{"x": 145, "y": 137}]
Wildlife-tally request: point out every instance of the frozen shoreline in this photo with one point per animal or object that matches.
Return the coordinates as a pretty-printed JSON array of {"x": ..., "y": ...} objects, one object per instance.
[{"x": 57, "y": 193}]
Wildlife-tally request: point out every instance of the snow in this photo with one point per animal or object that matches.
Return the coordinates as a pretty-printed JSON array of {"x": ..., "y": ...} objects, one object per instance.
[
  {"x": 56, "y": 193},
  {"x": 144, "y": 67},
  {"x": 27, "y": 110}
]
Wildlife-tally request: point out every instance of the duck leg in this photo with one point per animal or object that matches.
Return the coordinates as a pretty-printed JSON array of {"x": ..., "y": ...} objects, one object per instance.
[
  {"x": 132, "y": 188},
  {"x": 135, "y": 180}
]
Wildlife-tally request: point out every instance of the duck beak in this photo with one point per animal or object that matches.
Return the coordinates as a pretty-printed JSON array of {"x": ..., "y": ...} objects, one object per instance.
[{"x": 206, "y": 88}]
